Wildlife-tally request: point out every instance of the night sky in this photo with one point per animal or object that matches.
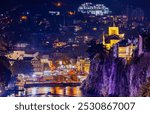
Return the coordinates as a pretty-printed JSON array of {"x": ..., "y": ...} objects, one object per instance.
[{"x": 115, "y": 5}]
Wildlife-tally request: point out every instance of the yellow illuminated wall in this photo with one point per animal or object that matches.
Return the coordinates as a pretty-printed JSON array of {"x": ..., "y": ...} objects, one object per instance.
[
  {"x": 126, "y": 52},
  {"x": 83, "y": 65},
  {"x": 113, "y": 31},
  {"x": 123, "y": 51},
  {"x": 87, "y": 67}
]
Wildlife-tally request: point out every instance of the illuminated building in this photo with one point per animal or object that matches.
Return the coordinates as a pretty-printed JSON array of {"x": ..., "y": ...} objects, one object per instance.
[
  {"x": 83, "y": 65},
  {"x": 93, "y": 9},
  {"x": 48, "y": 64},
  {"x": 113, "y": 37},
  {"x": 87, "y": 66},
  {"x": 16, "y": 54},
  {"x": 21, "y": 54},
  {"x": 59, "y": 44},
  {"x": 124, "y": 50},
  {"x": 42, "y": 66},
  {"x": 37, "y": 66},
  {"x": 121, "y": 47},
  {"x": 46, "y": 67}
]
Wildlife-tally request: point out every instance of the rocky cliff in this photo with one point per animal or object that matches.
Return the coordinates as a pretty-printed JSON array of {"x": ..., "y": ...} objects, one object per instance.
[{"x": 115, "y": 77}]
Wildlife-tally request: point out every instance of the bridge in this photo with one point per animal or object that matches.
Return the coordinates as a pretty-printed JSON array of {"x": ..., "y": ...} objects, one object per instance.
[{"x": 47, "y": 84}]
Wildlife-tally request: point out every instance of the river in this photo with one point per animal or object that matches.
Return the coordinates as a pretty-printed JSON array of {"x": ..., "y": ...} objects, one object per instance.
[{"x": 50, "y": 92}]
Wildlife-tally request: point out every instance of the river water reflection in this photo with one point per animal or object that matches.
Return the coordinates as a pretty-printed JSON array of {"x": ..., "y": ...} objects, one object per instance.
[{"x": 51, "y": 92}]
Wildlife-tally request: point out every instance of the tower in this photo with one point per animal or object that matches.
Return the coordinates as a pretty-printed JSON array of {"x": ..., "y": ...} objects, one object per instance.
[
  {"x": 113, "y": 36},
  {"x": 116, "y": 41}
]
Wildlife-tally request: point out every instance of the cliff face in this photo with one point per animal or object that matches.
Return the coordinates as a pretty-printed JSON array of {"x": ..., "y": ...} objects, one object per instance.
[
  {"x": 139, "y": 72},
  {"x": 114, "y": 77}
]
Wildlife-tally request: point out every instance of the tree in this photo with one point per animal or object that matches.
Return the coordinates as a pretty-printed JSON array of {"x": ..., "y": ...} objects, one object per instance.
[
  {"x": 5, "y": 72},
  {"x": 4, "y": 48},
  {"x": 22, "y": 67},
  {"x": 94, "y": 49}
]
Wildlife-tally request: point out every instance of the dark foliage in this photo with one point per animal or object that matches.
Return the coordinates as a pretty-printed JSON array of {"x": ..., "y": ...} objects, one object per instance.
[
  {"x": 94, "y": 49},
  {"x": 5, "y": 72},
  {"x": 22, "y": 67}
]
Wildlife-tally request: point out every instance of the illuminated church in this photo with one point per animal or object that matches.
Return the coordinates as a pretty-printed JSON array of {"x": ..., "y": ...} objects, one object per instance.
[
  {"x": 116, "y": 41},
  {"x": 113, "y": 37}
]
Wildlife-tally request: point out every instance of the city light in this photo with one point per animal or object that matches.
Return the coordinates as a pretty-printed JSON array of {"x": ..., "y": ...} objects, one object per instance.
[
  {"x": 93, "y": 9},
  {"x": 24, "y": 17},
  {"x": 94, "y": 28},
  {"x": 74, "y": 48},
  {"x": 71, "y": 13},
  {"x": 54, "y": 13},
  {"x": 58, "y": 4}
]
